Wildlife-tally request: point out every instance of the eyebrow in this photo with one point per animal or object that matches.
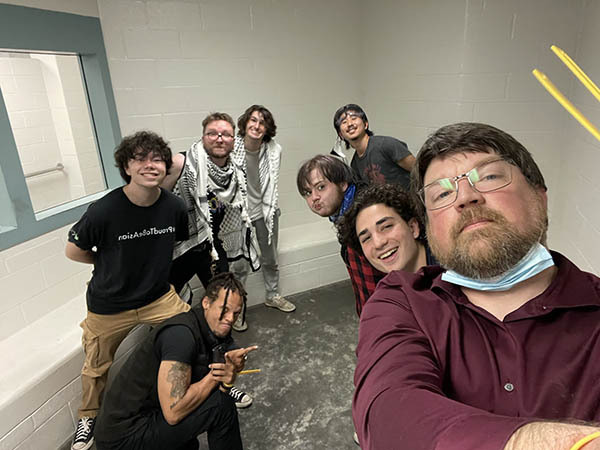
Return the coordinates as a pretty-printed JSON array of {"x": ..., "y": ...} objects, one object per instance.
[
  {"x": 483, "y": 161},
  {"x": 383, "y": 219},
  {"x": 379, "y": 222}
]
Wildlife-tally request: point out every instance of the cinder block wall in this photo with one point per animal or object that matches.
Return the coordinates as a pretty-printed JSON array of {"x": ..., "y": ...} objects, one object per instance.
[
  {"x": 414, "y": 65},
  {"x": 434, "y": 63}
]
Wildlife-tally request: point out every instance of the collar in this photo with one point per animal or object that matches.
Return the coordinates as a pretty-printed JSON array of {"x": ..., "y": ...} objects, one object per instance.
[
  {"x": 571, "y": 288},
  {"x": 346, "y": 203}
]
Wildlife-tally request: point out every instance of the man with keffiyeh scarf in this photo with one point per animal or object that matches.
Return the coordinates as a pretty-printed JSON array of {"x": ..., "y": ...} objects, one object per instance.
[
  {"x": 259, "y": 156},
  {"x": 214, "y": 191}
]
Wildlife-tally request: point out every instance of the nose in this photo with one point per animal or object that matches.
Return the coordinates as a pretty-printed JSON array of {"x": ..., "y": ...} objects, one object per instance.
[
  {"x": 467, "y": 195},
  {"x": 228, "y": 317},
  {"x": 379, "y": 240},
  {"x": 314, "y": 196}
]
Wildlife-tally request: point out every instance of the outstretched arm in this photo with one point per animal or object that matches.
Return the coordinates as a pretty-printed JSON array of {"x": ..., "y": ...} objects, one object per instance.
[
  {"x": 551, "y": 436},
  {"x": 400, "y": 393},
  {"x": 178, "y": 398}
]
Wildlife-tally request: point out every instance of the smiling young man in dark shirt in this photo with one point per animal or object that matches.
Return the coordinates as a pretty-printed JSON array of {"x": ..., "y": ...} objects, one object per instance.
[
  {"x": 377, "y": 159},
  {"x": 128, "y": 235},
  {"x": 496, "y": 352}
]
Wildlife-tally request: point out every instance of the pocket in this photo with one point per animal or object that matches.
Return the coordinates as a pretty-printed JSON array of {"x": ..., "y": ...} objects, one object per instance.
[{"x": 91, "y": 348}]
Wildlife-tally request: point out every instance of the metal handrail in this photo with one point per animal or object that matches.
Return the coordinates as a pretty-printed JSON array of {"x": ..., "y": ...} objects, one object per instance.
[{"x": 59, "y": 167}]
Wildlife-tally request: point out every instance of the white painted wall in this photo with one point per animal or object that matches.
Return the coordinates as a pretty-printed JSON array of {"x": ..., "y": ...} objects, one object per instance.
[
  {"x": 413, "y": 64},
  {"x": 471, "y": 60},
  {"x": 174, "y": 62},
  {"x": 80, "y": 7},
  {"x": 576, "y": 228}
]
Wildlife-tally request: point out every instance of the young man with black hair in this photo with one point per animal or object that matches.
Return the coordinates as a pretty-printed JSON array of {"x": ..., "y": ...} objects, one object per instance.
[
  {"x": 383, "y": 224},
  {"x": 259, "y": 156},
  {"x": 174, "y": 385},
  {"x": 377, "y": 159},
  {"x": 128, "y": 235}
]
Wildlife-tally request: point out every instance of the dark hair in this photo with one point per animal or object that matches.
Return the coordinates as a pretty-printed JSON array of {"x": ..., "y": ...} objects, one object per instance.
[
  {"x": 391, "y": 195},
  {"x": 213, "y": 117},
  {"x": 471, "y": 137},
  {"x": 337, "y": 119},
  {"x": 271, "y": 128},
  {"x": 227, "y": 281},
  {"x": 141, "y": 143},
  {"x": 332, "y": 168}
]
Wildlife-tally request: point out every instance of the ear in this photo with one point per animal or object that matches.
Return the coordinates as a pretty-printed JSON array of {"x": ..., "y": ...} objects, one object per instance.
[
  {"x": 366, "y": 125},
  {"x": 205, "y": 303},
  {"x": 344, "y": 186},
  {"x": 413, "y": 224}
]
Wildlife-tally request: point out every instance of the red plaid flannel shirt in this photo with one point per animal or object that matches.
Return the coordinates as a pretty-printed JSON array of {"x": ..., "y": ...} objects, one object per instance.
[{"x": 363, "y": 275}]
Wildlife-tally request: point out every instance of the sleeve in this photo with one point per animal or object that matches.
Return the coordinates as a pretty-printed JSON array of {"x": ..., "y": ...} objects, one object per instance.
[
  {"x": 399, "y": 397},
  {"x": 397, "y": 150},
  {"x": 182, "y": 232},
  {"x": 176, "y": 343},
  {"x": 85, "y": 234}
]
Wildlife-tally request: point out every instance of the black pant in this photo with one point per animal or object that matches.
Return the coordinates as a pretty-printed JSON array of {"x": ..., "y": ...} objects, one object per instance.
[
  {"x": 217, "y": 416},
  {"x": 197, "y": 260}
]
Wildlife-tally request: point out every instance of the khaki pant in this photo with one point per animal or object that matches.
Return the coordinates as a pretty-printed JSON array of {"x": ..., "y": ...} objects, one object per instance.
[{"x": 102, "y": 334}]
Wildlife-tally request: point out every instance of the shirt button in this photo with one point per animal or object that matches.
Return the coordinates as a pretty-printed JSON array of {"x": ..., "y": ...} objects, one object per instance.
[
  {"x": 544, "y": 307},
  {"x": 509, "y": 387}
]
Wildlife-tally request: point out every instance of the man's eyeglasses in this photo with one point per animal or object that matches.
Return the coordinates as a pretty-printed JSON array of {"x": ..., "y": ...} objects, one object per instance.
[
  {"x": 486, "y": 177},
  {"x": 213, "y": 136}
]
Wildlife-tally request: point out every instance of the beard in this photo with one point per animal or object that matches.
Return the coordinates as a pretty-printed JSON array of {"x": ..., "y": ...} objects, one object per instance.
[{"x": 492, "y": 250}]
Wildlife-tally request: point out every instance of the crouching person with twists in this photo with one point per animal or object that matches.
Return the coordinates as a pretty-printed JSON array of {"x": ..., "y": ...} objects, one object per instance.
[{"x": 171, "y": 389}]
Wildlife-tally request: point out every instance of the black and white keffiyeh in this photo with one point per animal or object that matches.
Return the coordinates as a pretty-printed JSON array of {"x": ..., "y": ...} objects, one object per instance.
[
  {"x": 200, "y": 175},
  {"x": 269, "y": 162}
]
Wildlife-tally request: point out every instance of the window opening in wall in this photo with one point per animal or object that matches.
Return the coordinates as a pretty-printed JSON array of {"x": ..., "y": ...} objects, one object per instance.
[{"x": 48, "y": 110}]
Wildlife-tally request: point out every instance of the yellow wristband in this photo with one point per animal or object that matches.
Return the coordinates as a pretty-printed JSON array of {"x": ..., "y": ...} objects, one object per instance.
[
  {"x": 581, "y": 442},
  {"x": 227, "y": 385}
]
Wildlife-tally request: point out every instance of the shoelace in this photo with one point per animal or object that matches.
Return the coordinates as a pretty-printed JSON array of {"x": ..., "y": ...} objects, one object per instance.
[
  {"x": 236, "y": 394},
  {"x": 84, "y": 427}
]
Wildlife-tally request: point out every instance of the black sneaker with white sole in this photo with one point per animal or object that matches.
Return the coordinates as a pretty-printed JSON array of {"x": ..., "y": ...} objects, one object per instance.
[
  {"x": 242, "y": 400},
  {"x": 84, "y": 435}
]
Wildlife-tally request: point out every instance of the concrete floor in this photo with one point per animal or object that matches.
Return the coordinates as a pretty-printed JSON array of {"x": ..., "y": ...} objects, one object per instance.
[
  {"x": 303, "y": 394},
  {"x": 302, "y": 397}
]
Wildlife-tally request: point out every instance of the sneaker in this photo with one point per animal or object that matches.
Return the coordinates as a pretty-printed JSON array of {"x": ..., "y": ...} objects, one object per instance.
[
  {"x": 84, "y": 435},
  {"x": 355, "y": 437},
  {"x": 242, "y": 400},
  {"x": 240, "y": 324},
  {"x": 279, "y": 302}
]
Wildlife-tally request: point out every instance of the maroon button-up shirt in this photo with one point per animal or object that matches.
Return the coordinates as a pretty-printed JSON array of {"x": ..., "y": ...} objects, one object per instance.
[{"x": 437, "y": 372}]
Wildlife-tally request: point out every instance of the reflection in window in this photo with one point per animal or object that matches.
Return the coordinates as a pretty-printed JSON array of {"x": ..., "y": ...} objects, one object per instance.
[{"x": 48, "y": 111}]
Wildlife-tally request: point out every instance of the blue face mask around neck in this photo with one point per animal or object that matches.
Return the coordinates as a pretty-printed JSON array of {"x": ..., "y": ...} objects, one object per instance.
[{"x": 535, "y": 261}]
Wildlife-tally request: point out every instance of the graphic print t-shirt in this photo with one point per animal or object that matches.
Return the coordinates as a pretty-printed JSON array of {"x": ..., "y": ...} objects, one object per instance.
[
  {"x": 379, "y": 164},
  {"x": 134, "y": 246}
]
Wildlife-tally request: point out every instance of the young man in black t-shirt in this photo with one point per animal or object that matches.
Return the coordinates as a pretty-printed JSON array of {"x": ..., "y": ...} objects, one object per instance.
[
  {"x": 377, "y": 159},
  {"x": 128, "y": 235}
]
